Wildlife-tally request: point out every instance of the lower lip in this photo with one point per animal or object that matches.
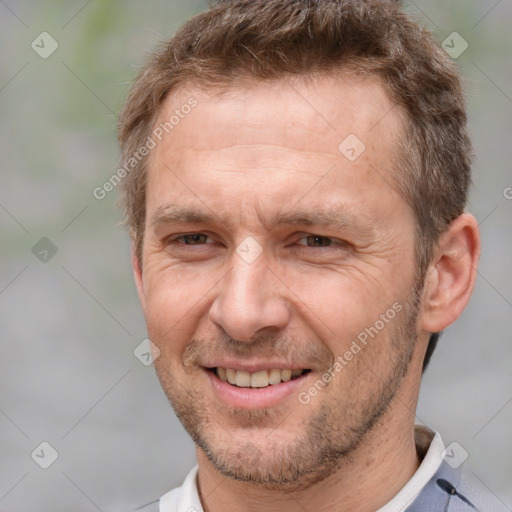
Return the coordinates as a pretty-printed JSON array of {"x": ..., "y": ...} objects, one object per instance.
[{"x": 255, "y": 398}]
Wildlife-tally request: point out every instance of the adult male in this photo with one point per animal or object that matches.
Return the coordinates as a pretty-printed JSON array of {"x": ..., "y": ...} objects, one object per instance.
[{"x": 297, "y": 213}]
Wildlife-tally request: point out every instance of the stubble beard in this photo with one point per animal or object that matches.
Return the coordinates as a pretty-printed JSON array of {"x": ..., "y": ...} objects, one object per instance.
[{"x": 328, "y": 438}]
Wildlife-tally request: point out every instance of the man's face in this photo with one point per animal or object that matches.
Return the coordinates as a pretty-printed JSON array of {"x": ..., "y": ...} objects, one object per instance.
[{"x": 268, "y": 249}]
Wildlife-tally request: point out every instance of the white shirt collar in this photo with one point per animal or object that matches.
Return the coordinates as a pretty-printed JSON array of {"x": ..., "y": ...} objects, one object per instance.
[
  {"x": 429, "y": 465},
  {"x": 186, "y": 497}
]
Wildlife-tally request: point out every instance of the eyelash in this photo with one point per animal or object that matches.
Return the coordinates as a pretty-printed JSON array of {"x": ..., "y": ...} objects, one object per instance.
[
  {"x": 176, "y": 238},
  {"x": 334, "y": 241}
]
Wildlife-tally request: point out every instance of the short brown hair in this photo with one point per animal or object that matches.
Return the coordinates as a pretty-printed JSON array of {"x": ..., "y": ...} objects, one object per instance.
[{"x": 272, "y": 39}]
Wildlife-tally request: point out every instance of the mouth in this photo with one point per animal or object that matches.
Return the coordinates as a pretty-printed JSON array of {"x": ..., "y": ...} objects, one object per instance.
[{"x": 259, "y": 379}]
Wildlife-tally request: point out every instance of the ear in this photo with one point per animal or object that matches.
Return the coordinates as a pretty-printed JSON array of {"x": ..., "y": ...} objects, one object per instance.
[
  {"x": 451, "y": 275},
  {"x": 137, "y": 275}
]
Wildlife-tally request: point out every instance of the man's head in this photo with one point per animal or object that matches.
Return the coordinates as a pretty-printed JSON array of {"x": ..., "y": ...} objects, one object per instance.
[{"x": 300, "y": 208}]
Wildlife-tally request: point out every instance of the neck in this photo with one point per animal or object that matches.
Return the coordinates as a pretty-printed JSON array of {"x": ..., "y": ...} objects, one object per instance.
[{"x": 369, "y": 478}]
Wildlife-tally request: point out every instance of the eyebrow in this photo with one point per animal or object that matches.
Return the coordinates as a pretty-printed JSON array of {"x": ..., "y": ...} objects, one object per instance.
[
  {"x": 174, "y": 214},
  {"x": 336, "y": 215}
]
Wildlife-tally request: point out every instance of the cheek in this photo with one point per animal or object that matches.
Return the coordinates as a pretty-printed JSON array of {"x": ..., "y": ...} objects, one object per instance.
[
  {"x": 171, "y": 289},
  {"x": 341, "y": 304},
  {"x": 175, "y": 301}
]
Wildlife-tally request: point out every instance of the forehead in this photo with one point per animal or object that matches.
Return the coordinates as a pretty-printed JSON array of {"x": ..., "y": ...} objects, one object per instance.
[
  {"x": 329, "y": 107},
  {"x": 268, "y": 139}
]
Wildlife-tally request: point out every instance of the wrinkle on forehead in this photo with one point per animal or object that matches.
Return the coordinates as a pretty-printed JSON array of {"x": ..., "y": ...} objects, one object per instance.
[
  {"x": 294, "y": 110},
  {"x": 253, "y": 159}
]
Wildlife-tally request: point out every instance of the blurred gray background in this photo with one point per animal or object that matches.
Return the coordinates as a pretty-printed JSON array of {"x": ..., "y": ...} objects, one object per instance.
[{"x": 70, "y": 320}]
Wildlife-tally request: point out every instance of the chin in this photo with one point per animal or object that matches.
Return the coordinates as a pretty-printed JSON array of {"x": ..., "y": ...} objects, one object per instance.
[
  {"x": 293, "y": 455},
  {"x": 272, "y": 465}
]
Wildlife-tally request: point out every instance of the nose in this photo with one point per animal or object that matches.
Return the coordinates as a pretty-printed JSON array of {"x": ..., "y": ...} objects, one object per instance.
[{"x": 251, "y": 299}]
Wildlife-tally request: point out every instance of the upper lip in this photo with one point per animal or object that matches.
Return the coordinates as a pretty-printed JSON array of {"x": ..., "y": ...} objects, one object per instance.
[{"x": 254, "y": 366}]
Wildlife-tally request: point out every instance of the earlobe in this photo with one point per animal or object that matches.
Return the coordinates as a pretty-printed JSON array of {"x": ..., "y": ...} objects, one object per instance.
[
  {"x": 137, "y": 275},
  {"x": 451, "y": 275}
]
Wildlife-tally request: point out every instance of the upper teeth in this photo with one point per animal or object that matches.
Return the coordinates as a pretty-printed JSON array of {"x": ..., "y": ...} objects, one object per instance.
[{"x": 261, "y": 379}]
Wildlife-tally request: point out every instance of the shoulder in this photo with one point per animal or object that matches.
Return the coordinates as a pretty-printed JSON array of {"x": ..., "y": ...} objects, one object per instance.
[
  {"x": 481, "y": 497},
  {"x": 451, "y": 490}
]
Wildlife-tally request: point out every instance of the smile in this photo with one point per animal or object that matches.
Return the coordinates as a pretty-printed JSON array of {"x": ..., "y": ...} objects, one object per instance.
[{"x": 259, "y": 379}]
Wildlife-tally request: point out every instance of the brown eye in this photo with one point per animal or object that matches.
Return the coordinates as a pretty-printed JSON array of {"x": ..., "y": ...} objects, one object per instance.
[
  {"x": 318, "y": 241},
  {"x": 321, "y": 242},
  {"x": 191, "y": 239}
]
